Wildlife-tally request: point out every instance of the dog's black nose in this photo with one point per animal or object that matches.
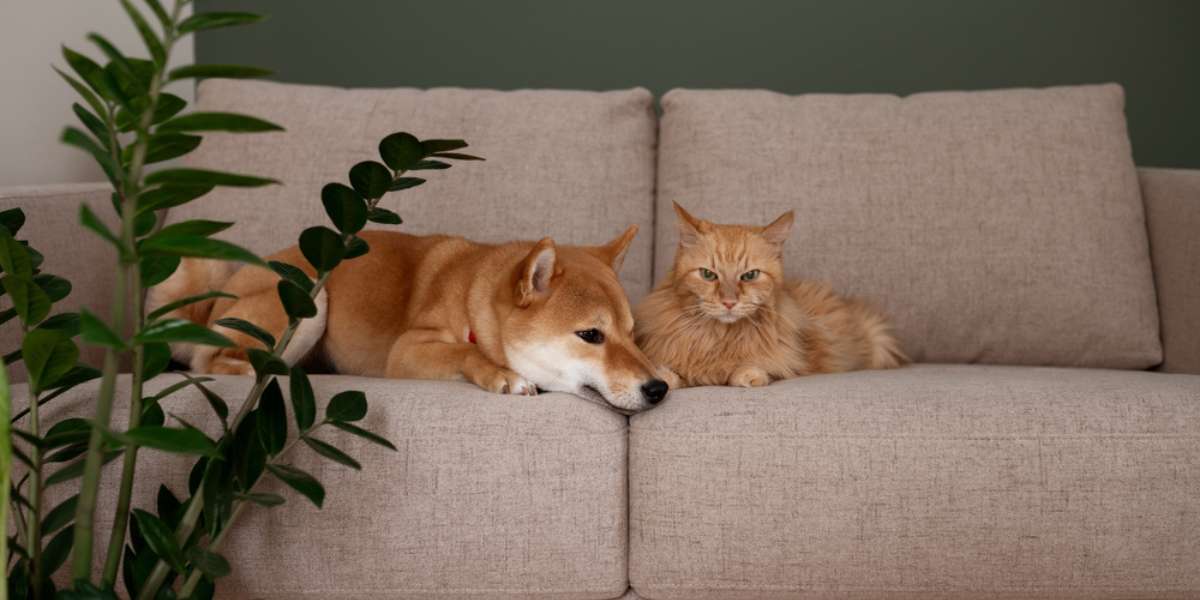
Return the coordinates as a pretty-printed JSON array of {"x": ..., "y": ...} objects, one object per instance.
[{"x": 655, "y": 390}]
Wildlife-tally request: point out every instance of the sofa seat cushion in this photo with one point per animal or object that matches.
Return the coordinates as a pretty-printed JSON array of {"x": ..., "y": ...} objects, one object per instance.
[
  {"x": 1000, "y": 227},
  {"x": 578, "y": 166},
  {"x": 489, "y": 496},
  {"x": 923, "y": 482}
]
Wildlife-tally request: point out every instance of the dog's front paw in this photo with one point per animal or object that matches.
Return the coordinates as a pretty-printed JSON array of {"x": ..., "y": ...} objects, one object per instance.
[
  {"x": 749, "y": 377},
  {"x": 504, "y": 381}
]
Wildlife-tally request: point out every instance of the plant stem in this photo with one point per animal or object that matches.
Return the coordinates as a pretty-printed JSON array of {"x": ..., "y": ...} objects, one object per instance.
[
  {"x": 35, "y": 500},
  {"x": 127, "y": 275},
  {"x": 116, "y": 539},
  {"x": 85, "y": 514}
]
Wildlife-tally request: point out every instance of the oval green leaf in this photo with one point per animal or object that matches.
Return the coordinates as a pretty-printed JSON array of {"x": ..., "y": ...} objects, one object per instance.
[
  {"x": 198, "y": 177},
  {"x": 60, "y": 515},
  {"x": 370, "y": 179},
  {"x": 430, "y": 165},
  {"x": 401, "y": 150},
  {"x": 403, "y": 183},
  {"x": 293, "y": 274},
  {"x": 304, "y": 404},
  {"x": 347, "y": 406},
  {"x": 184, "y": 440},
  {"x": 435, "y": 146},
  {"x": 296, "y": 302},
  {"x": 179, "y": 330},
  {"x": 249, "y": 329},
  {"x": 210, "y": 563},
  {"x": 384, "y": 216},
  {"x": 222, "y": 71},
  {"x": 156, "y": 268},
  {"x": 322, "y": 247},
  {"x": 364, "y": 434},
  {"x": 159, "y": 537},
  {"x": 201, "y": 227},
  {"x": 219, "y": 121},
  {"x": 300, "y": 481},
  {"x": 345, "y": 207},
  {"x": 272, "y": 418},
  {"x": 197, "y": 246},
  {"x": 48, "y": 355},
  {"x": 169, "y": 196},
  {"x": 216, "y": 20},
  {"x": 332, "y": 453},
  {"x": 165, "y": 146},
  {"x": 182, "y": 302},
  {"x": 96, "y": 332}
]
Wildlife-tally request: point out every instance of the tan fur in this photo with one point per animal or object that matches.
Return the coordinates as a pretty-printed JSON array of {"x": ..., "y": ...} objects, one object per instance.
[
  {"x": 748, "y": 333},
  {"x": 406, "y": 310}
]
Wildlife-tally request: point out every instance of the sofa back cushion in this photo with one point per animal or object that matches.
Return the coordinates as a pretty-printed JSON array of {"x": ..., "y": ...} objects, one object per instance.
[
  {"x": 996, "y": 227},
  {"x": 577, "y": 166}
]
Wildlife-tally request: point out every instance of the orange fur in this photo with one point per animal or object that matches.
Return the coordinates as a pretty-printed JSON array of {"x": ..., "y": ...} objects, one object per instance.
[
  {"x": 717, "y": 328},
  {"x": 506, "y": 317}
]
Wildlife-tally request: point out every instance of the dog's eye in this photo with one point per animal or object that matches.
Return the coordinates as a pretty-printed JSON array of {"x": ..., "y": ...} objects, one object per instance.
[
  {"x": 591, "y": 336},
  {"x": 750, "y": 275},
  {"x": 707, "y": 275}
]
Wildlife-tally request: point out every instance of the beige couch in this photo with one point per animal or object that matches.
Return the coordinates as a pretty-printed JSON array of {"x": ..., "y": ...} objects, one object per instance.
[{"x": 1046, "y": 446}]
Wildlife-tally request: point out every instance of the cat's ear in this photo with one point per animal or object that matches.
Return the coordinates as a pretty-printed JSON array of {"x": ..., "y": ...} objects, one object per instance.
[
  {"x": 690, "y": 227},
  {"x": 536, "y": 272},
  {"x": 613, "y": 252},
  {"x": 777, "y": 232}
]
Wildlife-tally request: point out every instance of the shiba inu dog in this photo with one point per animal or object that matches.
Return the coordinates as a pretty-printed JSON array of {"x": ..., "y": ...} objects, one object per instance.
[{"x": 512, "y": 318}]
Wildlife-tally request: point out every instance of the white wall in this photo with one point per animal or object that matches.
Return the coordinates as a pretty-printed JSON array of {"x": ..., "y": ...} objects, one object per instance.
[{"x": 35, "y": 104}]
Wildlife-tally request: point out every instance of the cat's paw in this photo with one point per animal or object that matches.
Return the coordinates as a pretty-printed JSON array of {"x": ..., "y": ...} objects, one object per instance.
[
  {"x": 674, "y": 381},
  {"x": 749, "y": 377}
]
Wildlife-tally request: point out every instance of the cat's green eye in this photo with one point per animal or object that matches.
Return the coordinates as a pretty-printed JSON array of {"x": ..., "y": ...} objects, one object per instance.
[
  {"x": 750, "y": 275},
  {"x": 707, "y": 275}
]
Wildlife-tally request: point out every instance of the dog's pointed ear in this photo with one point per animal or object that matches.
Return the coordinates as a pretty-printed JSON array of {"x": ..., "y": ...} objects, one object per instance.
[
  {"x": 536, "y": 272},
  {"x": 777, "y": 232},
  {"x": 690, "y": 227},
  {"x": 613, "y": 252}
]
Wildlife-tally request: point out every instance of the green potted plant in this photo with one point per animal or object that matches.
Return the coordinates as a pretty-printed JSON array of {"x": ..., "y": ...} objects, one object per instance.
[{"x": 129, "y": 123}]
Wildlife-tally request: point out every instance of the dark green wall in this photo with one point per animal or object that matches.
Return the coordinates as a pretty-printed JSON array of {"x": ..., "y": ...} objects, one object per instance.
[{"x": 1152, "y": 47}]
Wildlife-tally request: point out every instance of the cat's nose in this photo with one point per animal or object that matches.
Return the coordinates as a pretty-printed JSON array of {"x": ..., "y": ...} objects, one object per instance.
[
  {"x": 655, "y": 390},
  {"x": 729, "y": 304}
]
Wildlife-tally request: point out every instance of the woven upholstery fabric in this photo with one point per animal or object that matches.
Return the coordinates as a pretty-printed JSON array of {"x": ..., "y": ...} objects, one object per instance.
[
  {"x": 1173, "y": 216},
  {"x": 994, "y": 227},
  {"x": 923, "y": 482},
  {"x": 83, "y": 258},
  {"x": 577, "y": 166},
  {"x": 489, "y": 496}
]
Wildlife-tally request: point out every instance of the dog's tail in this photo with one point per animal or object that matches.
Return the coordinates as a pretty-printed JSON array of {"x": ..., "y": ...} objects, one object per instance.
[{"x": 194, "y": 276}]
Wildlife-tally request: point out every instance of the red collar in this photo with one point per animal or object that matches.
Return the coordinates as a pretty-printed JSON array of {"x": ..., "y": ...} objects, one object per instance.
[{"x": 471, "y": 336}]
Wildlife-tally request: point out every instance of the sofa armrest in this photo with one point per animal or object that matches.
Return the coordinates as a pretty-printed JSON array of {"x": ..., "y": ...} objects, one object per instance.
[
  {"x": 1172, "y": 198},
  {"x": 52, "y": 227}
]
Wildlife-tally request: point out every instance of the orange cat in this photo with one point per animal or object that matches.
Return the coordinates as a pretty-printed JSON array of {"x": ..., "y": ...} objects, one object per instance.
[{"x": 726, "y": 316}]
